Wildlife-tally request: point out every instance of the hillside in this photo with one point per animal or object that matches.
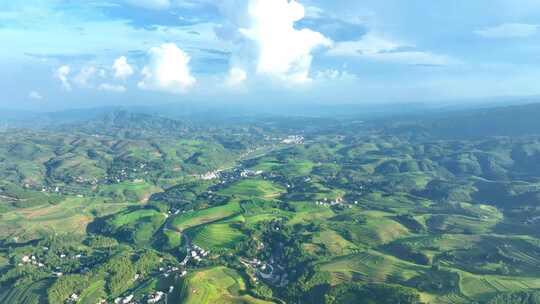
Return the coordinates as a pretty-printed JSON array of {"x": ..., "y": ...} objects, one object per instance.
[
  {"x": 518, "y": 120},
  {"x": 142, "y": 208}
]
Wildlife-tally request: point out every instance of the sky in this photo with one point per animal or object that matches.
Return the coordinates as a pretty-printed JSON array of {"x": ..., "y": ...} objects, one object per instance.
[{"x": 58, "y": 54}]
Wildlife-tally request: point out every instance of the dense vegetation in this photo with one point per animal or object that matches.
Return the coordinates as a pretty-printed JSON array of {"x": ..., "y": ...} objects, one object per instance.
[{"x": 141, "y": 208}]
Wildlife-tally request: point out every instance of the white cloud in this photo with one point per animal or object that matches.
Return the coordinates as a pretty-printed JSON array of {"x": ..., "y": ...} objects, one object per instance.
[
  {"x": 236, "y": 77},
  {"x": 168, "y": 70},
  {"x": 509, "y": 30},
  {"x": 112, "y": 88},
  {"x": 62, "y": 74},
  {"x": 35, "y": 95},
  {"x": 269, "y": 41},
  {"x": 375, "y": 47},
  {"x": 122, "y": 69},
  {"x": 85, "y": 76},
  {"x": 314, "y": 12},
  {"x": 334, "y": 74}
]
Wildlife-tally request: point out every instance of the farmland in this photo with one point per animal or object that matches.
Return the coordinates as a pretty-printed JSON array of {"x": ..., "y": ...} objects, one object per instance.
[{"x": 236, "y": 214}]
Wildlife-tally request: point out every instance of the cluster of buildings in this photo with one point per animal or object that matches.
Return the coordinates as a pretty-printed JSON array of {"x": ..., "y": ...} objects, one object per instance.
[
  {"x": 124, "y": 300},
  {"x": 169, "y": 270},
  {"x": 271, "y": 273},
  {"x": 328, "y": 203},
  {"x": 331, "y": 203},
  {"x": 82, "y": 180},
  {"x": 152, "y": 298},
  {"x": 31, "y": 260},
  {"x": 124, "y": 173},
  {"x": 54, "y": 189},
  {"x": 293, "y": 140},
  {"x": 250, "y": 173},
  {"x": 175, "y": 211},
  {"x": 34, "y": 260},
  {"x": 194, "y": 252},
  {"x": 156, "y": 297},
  {"x": 230, "y": 175},
  {"x": 74, "y": 298},
  {"x": 210, "y": 175}
]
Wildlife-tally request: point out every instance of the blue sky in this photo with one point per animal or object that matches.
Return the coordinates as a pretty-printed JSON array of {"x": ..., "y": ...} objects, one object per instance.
[{"x": 69, "y": 53}]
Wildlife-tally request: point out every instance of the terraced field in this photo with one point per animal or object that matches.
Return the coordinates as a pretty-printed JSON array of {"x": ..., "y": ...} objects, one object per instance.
[
  {"x": 200, "y": 217},
  {"x": 334, "y": 243},
  {"x": 216, "y": 285},
  {"x": 221, "y": 235},
  {"x": 253, "y": 188},
  {"x": 95, "y": 291},
  {"x": 31, "y": 293},
  {"x": 131, "y": 217},
  {"x": 136, "y": 191},
  {"x": 371, "y": 266},
  {"x": 376, "y": 228},
  {"x": 370, "y": 211},
  {"x": 484, "y": 287},
  {"x": 71, "y": 215}
]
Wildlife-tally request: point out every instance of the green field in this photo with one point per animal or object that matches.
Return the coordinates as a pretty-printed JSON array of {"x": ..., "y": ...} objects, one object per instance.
[
  {"x": 200, "y": 217},
  {"x": 72, "y": 215},
  {"x": 372, "y": 228},
  {"x": 29, "y": 293},
  {"x": 216, "y": 285},
  {"x": 371, "y": 266},
  {"x": 218, "y": 236},
  {"x": 361, "y": 210},
  {"x": 308, "y": 211},
  {"x": 136, "y": 191},
  {"x": 131, "y": 217},
  {"x": 95, "y": 291},
  {"x": 334, "y": 243},
  {"x": 484, "y": 287},
  {"x": 253, "y": 188}
]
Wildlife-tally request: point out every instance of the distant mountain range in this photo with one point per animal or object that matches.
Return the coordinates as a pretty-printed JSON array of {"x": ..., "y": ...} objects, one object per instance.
[
  {"x": 501, "y": 116},
  {"x": 516, "y": 120}
]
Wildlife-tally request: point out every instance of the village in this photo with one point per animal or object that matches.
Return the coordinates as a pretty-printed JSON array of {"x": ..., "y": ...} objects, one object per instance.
[
  {"x": 194, "y": 255},
  {"x": 271, "y": 272}
]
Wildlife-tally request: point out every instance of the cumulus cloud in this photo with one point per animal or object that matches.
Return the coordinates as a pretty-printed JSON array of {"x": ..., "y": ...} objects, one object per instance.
[
  {"x": 62, "y": 74},
  {"x": 378, "y": 48},
  {"x": 122, "y": 69},
  {"x": 236, "y": 77},
  {"x": 112, "y": 88},
  {"x": 509, "y": 30},
  {"x": 270, "y": 41},
  {"x": 84, "y": 77},
  {"x": 35, "y": 95},
  {"x": 88, "y": 76},
  {"x": 167, "y": 70}
]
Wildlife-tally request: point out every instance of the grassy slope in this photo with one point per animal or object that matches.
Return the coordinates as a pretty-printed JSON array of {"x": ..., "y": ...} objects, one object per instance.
[
  {"x": 196, "y": 218},
  {"x": 32, "y": 293},
  {"x": 253, "y": 188},
  {"x": 136, "y": 191},
  {"x": 216, "y": 285},
  {"x": 70, "y": 216},
  {"x": 219, "y": 235}
]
